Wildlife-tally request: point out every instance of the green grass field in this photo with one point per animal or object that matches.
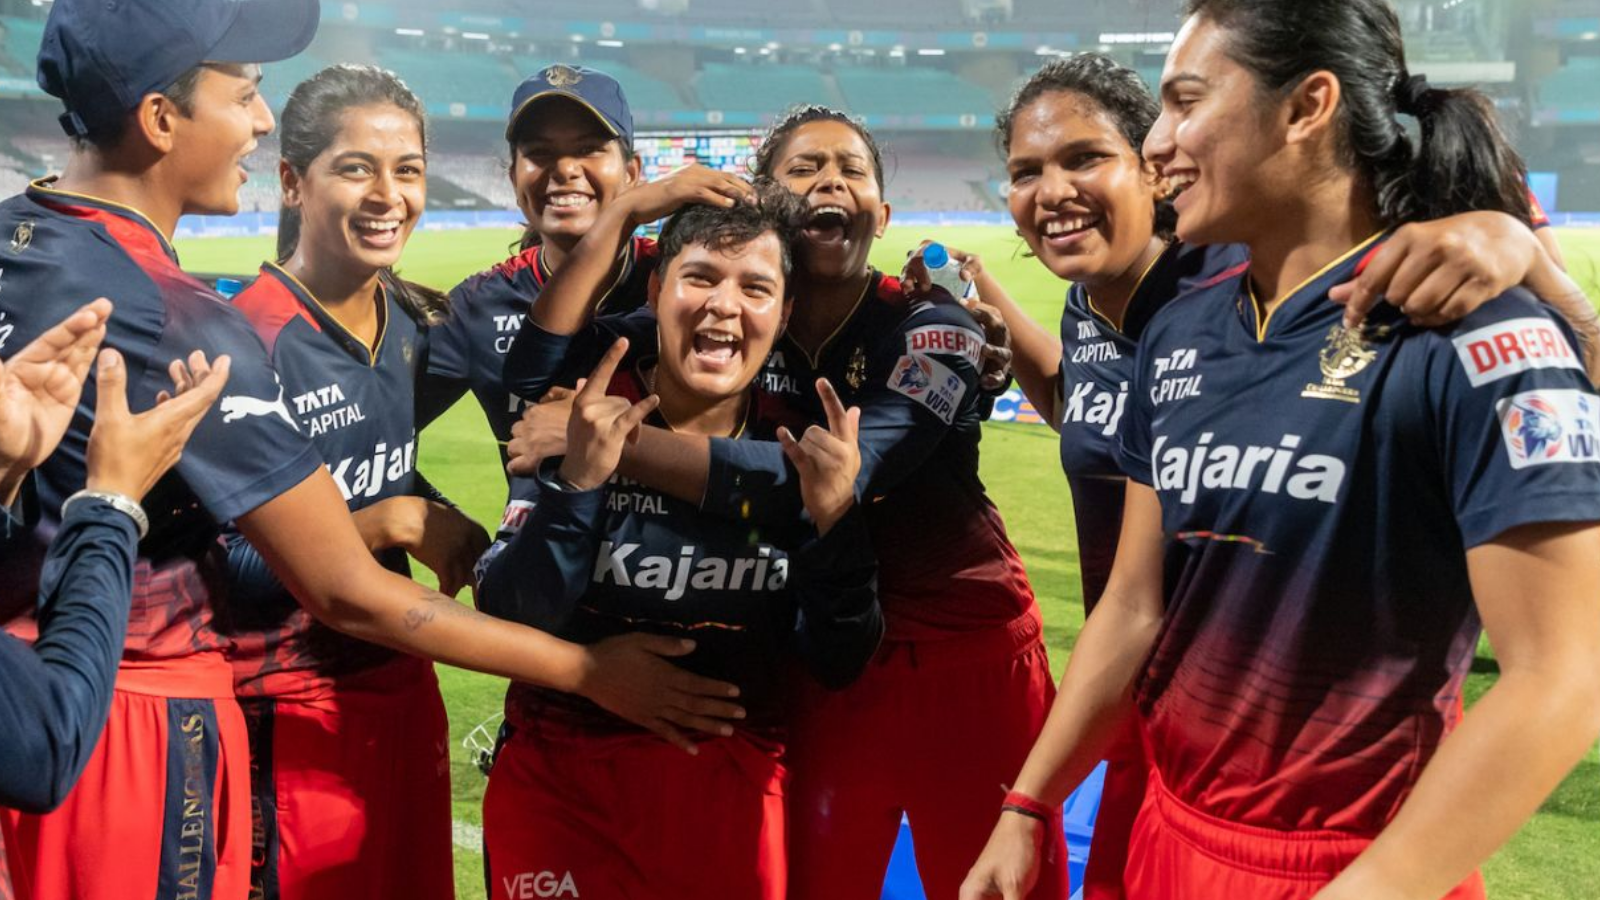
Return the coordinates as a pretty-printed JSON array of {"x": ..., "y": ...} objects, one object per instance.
[{"x": 1557, "y": 856}]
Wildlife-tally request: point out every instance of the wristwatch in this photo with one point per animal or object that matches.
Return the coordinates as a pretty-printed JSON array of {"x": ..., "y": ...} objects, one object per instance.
[{"x": 119, "y": 502}]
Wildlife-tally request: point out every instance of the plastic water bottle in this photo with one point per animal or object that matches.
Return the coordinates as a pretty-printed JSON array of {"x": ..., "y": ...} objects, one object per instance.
[
  {"x": 229, "y": 287},
  {"x": 946, "y": 272}
]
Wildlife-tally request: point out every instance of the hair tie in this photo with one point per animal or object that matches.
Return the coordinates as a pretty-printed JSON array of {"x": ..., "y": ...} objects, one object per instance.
[{"x": 1413, "y": 95}]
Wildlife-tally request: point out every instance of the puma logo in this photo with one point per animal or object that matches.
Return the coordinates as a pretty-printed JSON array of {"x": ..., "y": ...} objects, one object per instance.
[{"x": 237, "y": 407}]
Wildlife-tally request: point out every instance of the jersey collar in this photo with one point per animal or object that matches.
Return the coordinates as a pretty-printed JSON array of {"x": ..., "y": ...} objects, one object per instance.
[
  {"x": 1149, "y": 294},
  {"x": 354, "y": 345},
  {"x": 85, "y": 206},
  {"x": 1308, "y": 295}
]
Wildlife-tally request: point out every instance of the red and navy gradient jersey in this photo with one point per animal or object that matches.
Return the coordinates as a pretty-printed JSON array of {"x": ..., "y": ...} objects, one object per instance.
[
  {"x": 59, "y": 250},
  {"x": 356, "y": 404},
  {"x": 1096, "y": 369},
  {"x": 1320, "y": 489},
  {"x": 588, "y": 565},
  {"x": 945, "y": 564},
  {"x": 486, "y": 312}
]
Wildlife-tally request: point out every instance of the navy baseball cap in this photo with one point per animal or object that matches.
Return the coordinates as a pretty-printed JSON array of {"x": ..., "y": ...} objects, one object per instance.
[
  {"x": 595, "y": 91},
  {"x": 102, "y": 56}
]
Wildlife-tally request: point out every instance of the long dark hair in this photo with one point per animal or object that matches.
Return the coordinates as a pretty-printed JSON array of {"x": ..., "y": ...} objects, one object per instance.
[
  {"x": 1108, "y": 84},
  {"x": 311, "y": 121},
  {"x": 1463, "y": 161}
]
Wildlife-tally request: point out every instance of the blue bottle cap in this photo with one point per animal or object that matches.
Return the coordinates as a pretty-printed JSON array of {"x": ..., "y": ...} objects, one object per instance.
[
  {"x": 229, "y": 287},
  {"x": 935, "y": 256}
]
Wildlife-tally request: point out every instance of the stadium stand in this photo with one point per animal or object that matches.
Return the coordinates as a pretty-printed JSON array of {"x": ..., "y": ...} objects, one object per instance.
[
  {"x": 911, "y": 92},
  {"x": 1570, "y": 90},
  {"x": 760, "y": 87},
  {"x": 441, "y": 79},
  {"x": 941, "y": 184},
  {"x": 21, "y": 44},
  {"x": 481, "y": 176}
]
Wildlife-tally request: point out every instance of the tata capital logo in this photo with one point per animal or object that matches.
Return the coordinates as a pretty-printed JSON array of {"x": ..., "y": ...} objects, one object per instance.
[{"x": 539, "y": 886}]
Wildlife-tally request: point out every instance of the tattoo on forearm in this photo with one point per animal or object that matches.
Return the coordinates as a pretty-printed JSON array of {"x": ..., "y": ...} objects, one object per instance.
[{"x": 433, "y": 605}]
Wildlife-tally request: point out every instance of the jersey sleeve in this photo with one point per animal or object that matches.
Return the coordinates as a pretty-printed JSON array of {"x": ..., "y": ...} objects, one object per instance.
[
  {"x": 445, "y": 380},
  {"x": 921, "y": 383},
  {"x": 252, "y": 413},
  {"x": 1537, "y": 217},
  {"x": 834, "y": 578},
  {"x": 54, "y": 696},
  {"x": 1515, "y": 422},
  {"x": 542, "y": 573}
]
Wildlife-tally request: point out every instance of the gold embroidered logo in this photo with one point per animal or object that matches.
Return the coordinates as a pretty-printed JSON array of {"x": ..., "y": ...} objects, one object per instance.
[
  {"x": 562, "y": 76},
  {"x": 855, "y": 373},
  {"x": 1348, "y": 352},
  {"x": 22, "y": 237}
]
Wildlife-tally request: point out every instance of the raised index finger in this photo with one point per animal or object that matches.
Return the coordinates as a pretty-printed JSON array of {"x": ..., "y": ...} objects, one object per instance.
[{"x": 600, "y": 378}]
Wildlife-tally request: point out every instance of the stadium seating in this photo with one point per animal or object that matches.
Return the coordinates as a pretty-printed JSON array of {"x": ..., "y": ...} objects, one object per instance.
[
  {"x": 280, "y": 78},
  {"x": 940, "y": 184},
  {"x": 480, "y": 174},
  {"x": 876, "y": 91},
  {"x": 21, "y": 45},
  {"x": 442, "y": 79},
  {"x": 1570, "y": 91},
  {"x": 760, "y": 88}
]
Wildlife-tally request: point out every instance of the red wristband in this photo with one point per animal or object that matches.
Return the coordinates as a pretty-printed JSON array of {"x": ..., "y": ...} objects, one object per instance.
[{"x": 1019, "y": 802}]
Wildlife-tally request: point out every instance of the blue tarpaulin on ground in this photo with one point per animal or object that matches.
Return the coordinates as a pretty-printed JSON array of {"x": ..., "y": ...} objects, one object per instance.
[{"x": 1077, "y": 815}]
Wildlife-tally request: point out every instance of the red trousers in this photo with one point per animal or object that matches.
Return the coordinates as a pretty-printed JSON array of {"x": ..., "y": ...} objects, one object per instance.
[
  {"x": 933, "y": 729},
  {"x": 163, "y": 808},
  {"x": 570, "y": 813},
  {"x": 351, "y": 791},
  {"x": 1179, "y": 853}
]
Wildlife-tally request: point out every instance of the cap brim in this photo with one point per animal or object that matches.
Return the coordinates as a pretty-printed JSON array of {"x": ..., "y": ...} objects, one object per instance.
[
  {"x": 267, "y": 31},
  {"x": 517, "y": 114}
]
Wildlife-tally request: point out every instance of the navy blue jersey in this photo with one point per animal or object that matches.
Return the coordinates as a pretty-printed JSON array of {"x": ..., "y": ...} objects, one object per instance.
[
  {"x": 356, "y": 403},
  {"x": 55, "y": 695},
  {"x": 588, "y": 565},
  {"x": 945, "y": 563},
  {"x": 1096, "y": 369},
  {"x": 1320, "y": 488},
  {"x": 486, "y": 312},
  {"x": 60, "y": 250}
]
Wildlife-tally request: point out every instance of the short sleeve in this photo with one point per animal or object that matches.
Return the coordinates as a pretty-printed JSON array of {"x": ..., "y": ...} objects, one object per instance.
[
  {"x": 1517, "y": 425},
  {"x": 248, "y": 449}
]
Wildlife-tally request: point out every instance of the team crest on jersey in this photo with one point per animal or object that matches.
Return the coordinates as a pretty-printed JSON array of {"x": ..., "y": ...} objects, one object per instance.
[
  {"x": 855, "y": 372},
  {"x": 1347, "y": 353},
  {"x": 22, "y": 238},
  {"x": 1556, "y": 426},
  {"x": 562, "y": 76}
]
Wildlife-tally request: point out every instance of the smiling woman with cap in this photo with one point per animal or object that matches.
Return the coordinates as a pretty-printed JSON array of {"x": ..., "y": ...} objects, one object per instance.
[
  {"x": 163, "y": 807},
  {"x": 571, "y": 140}
]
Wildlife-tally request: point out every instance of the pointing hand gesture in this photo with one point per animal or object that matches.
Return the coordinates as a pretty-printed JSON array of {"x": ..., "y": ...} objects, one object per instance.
[
  {"x": 599, "y": 424},
  {"x": 828, "y": 460}
]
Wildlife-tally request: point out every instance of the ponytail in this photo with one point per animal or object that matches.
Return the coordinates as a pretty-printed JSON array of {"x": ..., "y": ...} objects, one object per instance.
[{"x": 1463, "y": 161}]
